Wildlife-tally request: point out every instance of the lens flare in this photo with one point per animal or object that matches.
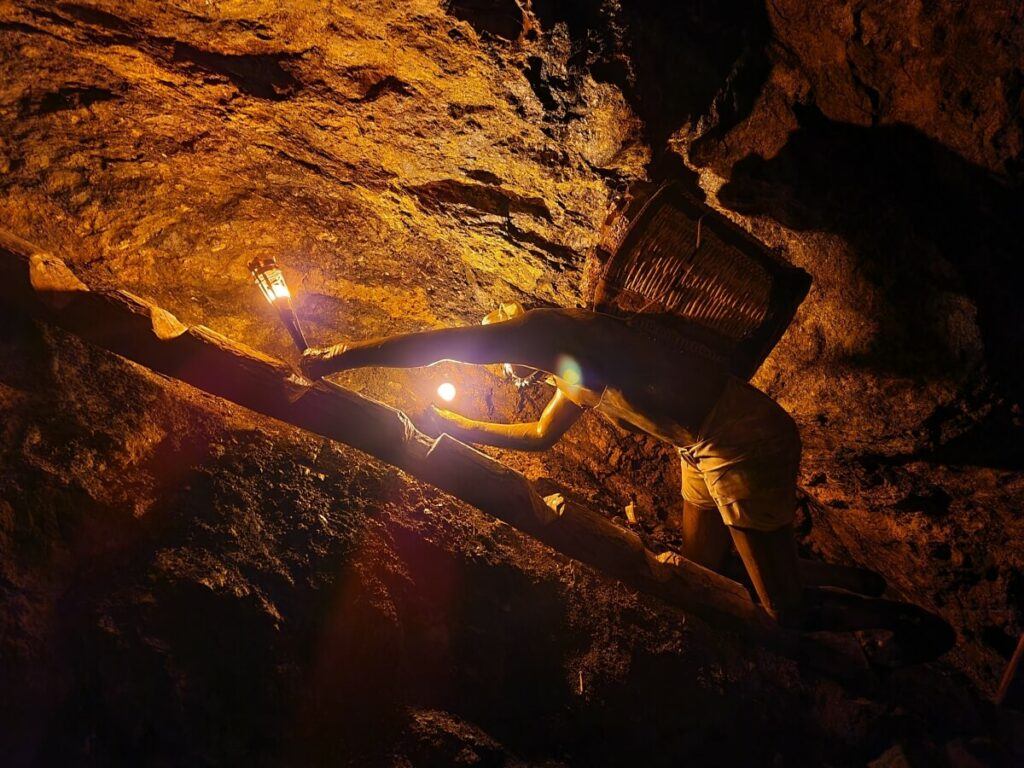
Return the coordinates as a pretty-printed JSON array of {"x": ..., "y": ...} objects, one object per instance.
[
  {"x": 569, "y": 371},
  {"x": 446, "y": 391}
]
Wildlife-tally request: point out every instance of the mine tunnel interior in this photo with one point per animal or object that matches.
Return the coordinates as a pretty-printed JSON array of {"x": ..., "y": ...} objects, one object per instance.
[{"x": 187, "y": 581}]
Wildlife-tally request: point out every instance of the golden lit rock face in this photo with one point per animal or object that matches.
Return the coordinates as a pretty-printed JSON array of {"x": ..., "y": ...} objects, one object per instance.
[
  {"x": 378, "y": 144},
  {"x": 404, "y": 174},
  {"x": 904, "y": 63},
  {"x": 411, "y": 165}
]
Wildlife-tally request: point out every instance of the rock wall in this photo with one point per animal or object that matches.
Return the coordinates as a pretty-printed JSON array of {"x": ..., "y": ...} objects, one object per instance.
[
  {"x": 184, "y": 583},
  {"x": 882, "y": 152}
]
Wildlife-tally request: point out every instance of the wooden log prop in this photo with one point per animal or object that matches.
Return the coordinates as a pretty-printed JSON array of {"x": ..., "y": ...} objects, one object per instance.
[
  {"x": 1010, "y": 674},
  {"x": 42, "y": 285}
]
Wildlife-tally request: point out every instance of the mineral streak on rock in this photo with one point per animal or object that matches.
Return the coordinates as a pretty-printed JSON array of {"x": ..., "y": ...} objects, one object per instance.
[{"x": 181, "y": 582}]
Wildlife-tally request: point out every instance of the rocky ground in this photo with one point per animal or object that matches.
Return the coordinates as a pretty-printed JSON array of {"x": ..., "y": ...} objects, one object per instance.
[{"x": 184, "y": 583}]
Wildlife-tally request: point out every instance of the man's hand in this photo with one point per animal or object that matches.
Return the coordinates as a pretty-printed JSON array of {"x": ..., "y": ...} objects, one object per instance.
[{"x": 318, "y": 362}]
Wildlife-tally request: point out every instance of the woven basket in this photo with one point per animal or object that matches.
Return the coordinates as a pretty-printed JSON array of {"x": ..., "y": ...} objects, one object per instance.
[{"x": 684, "y": 273}]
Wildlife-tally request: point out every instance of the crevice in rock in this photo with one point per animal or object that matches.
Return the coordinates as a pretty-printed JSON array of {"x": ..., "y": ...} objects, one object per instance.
[
  {"x": 503, "y": 18},
  {"x": 559, "y": 256},
  {"x": 933, "y": 503},
  {"x": 96, "y": 17},
  {"x": 387, "y": 84},
  {"x": 262, "y": 75},
  {"x": 28, "y": 29},
  {"x": 485, "y": 177},
  {"x": 102, "y": 27},
  {"x": 442, "y": 194},
  {"x": 68, "y": 97},
  {"x": 540, "y": 84},
  {"x": 676, "y": 63}
]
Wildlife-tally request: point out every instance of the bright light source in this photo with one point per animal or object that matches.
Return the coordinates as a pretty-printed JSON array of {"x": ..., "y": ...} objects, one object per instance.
[
  {"x": 270, "y": 280},
  {"x": 446, "y": 391}
]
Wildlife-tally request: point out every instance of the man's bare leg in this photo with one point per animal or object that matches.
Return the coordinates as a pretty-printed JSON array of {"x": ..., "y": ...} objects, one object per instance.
[
  {"x": 706, "y": 540},
  {"x": 771, "y": 562},
  {"x": 770, "y": 559}
]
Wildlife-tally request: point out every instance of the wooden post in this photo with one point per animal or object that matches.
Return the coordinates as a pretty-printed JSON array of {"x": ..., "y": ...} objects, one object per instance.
[
  {"x": 1010, "y": 674},
  {"x": 43, "y": 285}
]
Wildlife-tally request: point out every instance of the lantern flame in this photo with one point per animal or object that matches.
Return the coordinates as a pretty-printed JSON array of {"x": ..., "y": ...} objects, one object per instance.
[{"x": 270, "y": 280}]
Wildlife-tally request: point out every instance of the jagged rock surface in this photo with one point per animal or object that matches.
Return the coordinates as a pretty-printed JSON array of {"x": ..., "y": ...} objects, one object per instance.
[{"x": 184, "y": 582}]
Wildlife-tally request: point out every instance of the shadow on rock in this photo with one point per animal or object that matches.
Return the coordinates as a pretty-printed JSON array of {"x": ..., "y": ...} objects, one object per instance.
[
  {"x": 925, "y": 226},
  {"x": 677, "y": 63}
]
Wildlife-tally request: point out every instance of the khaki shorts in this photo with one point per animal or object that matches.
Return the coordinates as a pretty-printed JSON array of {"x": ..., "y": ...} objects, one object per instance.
[{"x": 745, "y": 461}]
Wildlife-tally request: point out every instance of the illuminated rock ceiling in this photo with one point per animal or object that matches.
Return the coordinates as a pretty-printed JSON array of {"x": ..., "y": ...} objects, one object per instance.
[{"x": 183, "y": 579}]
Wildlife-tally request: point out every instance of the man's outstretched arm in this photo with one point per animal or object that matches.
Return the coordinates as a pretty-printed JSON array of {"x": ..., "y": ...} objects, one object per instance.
[
  {"x": 526, "y": 339},
  {"x": 559, "y": 414}
]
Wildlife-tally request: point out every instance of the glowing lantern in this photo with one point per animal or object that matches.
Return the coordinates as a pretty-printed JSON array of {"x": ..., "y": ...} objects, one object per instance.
[
  {"x": 270, "y": 280},
  {"x": 446, "y": 391}
]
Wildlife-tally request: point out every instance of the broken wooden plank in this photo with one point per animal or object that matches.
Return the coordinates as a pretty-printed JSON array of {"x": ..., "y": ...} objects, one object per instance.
[{"x": 43, "y": 285}]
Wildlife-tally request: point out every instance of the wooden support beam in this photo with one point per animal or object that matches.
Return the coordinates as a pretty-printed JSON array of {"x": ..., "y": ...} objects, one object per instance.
[
  {"x": 1010, "y": 674},
  {"x": 42, "y": 284}
]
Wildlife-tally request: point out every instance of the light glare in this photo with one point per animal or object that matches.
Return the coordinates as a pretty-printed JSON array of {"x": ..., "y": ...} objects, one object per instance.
[
  {"x": 270, "y": 279},
  {"x": 569, "y": 371},
  {"x": 446, "y": 391}
]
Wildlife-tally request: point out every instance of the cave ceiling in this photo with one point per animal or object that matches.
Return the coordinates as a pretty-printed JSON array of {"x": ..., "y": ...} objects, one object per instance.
[{"x": 413, "y": 164}]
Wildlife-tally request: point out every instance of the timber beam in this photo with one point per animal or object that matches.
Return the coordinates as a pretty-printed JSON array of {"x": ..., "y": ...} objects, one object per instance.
[{"x": 42, "y": 285}]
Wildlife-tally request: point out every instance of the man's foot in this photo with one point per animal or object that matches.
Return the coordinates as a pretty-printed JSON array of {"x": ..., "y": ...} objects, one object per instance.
[{"x": 917, "y": 635}]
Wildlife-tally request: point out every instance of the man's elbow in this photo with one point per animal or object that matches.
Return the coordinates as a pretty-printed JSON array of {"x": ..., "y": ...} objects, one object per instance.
[
  {"x": 542, "y": 439},
  {"x": 532, "y": 439}
]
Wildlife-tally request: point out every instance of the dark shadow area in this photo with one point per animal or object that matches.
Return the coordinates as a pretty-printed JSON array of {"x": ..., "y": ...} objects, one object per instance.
[
  {"x": 677, "y": 63},
  {"x": 986, "y": 435},
  {"x": 924, "y": 225},
  {"x": 68, "y": 98},
  {"x": 503, "y": 18},
  {"x": 263, "y": 75}
]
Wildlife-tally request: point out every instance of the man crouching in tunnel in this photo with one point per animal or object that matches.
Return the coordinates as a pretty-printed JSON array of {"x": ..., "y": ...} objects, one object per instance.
[{"x": 740, "y": 450}]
